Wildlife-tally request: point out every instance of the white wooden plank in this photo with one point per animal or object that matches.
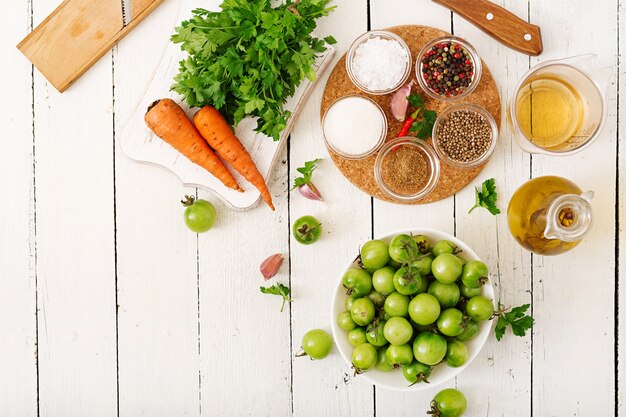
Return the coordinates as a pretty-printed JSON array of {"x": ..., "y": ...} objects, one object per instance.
[
  {"x": 575, "y": 315},
  {"x": 18, "y": 370},
  {"x": 245, "y": 366},
  {"x": 75, "y": 243},
  {"x": 326, "y": 387},
  {"x": 389, "y": 217},
  {"x": 156, "y": 254},
  {"x": 498, "y": 382}
]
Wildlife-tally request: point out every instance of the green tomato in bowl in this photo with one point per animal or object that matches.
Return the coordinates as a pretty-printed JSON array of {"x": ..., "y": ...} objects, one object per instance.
[
  {"x": 408, "y": 281},
  {"x": 382, "y": 363},
  {"x": 403, "y": 249},
  {"x": 382, "y": 280},
  {"x": 451, "y": 322},
  {"x": 363, "y": 311},
  {"x": 416, "y": 372},
  {"x": 479, "y": 308},
  {"x": 475, "y": 274},
  {"x": 345, "y": 322},
  {"x": 424, "y": 309},
  {"x": 396, "y": 305},
  {"x": 364, "y": 356},
  {"x": 444, "y": 246},
  {"x": 357, "y": 336},
  {"x": 448, "y": 295},
  {"x": 469, "y": 332},
  {"x": 374, "y": 254},
  {"x": 447, "y": 268},
  {"x": 399, "y": 355},
  {"x": 357, "y": 282},
  {"x": 429, "y": 348},
  {"x": 398, "y": 330},
  {"x": 457, "y": 354}
]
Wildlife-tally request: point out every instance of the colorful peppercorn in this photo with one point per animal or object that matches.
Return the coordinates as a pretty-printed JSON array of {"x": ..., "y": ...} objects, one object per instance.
[{"x": 447, "y": 69}]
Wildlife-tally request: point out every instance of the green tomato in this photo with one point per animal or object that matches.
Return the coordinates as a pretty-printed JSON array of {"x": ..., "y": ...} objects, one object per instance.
[
  {"x": 423, "y": 243},
  {"x": 469, "y": 332},
  {"x": 424, "y": 309},
  {"x": 479, "y": 308},
  {"x": 423, "y": 265},
  {"x": 403, "y": 249},
  {"x": 450, "y": 403},
  {"x": 377, "y": 298},
  {"x": 468, "y": 292},
  {"x": 407, "y": 280},
  {"x": 317, "y": 343},
  {"x": 364, "y": 356},
  {"x": 416, "y": 372},
  {"x": 429, "y": 348},
  {"x": 357, "y": 282},
  {"x": 444, "y": 246},
  {"x": 457, "y": 354},
  {"x": 450, "y": 322},
  {"x": 348, "y": 303},
  {"x": 448, "y": 295},
  {"x": 475, "y": 274},
  {"x": 375, "y": 254},
  {"x": 375, "y": 334},
  {"x": 399, "y": 355},
  {"x": 382, "y": 280},
  {"x": 447, "y": 268},
  {"x": 357, "y": 336},
  {"x": 307, "y": 230},
  {"x": 200, "y": 215},
  {"x": 345, "y": 322},
  {"x": 383, "y": 364},
  {"x": 363, "y": 311},
  {"x": 396, "y": 305},
  {"x": 398, "y": 330}
]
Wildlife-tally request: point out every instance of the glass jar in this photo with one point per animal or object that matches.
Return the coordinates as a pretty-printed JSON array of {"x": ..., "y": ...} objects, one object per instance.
[
  {"x": 422, "y": 179},
  {"x": 478, "y": 68},
  {"x": 550, "y": 215},
  {"x": 383, "y": 34}
]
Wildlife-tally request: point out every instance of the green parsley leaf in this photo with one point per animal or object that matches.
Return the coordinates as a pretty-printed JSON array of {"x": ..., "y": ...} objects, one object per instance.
[
  {"x": 280, "y": 290},
  {"x": 307, "y": 173},
  {"x": 487, "y": 197},
  {"x": 248, "y": 58},
  {"x": 416, "y": 100},
  {"x": 516, "y": 318},
  {"x": 424, "y": 127}
]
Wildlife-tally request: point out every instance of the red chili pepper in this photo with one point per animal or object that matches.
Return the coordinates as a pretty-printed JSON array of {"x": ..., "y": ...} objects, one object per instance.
[{"x": 406, "y": 126}]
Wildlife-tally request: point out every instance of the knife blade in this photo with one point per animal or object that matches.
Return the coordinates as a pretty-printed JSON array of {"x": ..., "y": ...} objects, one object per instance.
[
  {"x": 126, "y": 12},
  {"x": 499, "y": 23}
]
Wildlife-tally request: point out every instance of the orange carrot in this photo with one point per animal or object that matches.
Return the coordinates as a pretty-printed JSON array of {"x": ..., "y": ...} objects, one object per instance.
[
  {"x": 219, "y": 135},
  {"x": 169, "y": 122}
]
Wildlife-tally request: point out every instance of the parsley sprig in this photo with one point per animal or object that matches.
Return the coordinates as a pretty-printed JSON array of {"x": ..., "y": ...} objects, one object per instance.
[
  {"x": 249, "y": 58},
  {"x": 516, "y": 318},
  {"x": 487, "y": 197},
  {"x": 423, "y": 127},
  {"x": 278, "y": 289},
  {"x": 307, "y": 173}
]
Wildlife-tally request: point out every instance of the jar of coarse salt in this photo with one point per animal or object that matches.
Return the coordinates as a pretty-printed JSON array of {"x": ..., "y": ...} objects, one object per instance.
[
  {"x": 378, "y": 62},
  {"x": 354, "y": 127}
]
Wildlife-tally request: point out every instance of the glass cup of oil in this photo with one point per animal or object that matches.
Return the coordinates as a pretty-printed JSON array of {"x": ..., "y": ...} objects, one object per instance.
[{"x": 559, "y": 107}]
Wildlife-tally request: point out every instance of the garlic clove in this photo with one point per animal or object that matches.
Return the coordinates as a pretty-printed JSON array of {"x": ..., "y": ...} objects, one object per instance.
[
  {"x": 271, "y": 265},
  {"x": 310, "y": 191},
  {"x": 399, "y": 103}
]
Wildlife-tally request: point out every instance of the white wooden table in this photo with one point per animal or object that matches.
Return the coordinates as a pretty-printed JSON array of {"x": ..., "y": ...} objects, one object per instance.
[{"x": 109, "y": 306}]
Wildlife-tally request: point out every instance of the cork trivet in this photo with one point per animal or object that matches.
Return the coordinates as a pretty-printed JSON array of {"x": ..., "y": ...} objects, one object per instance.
[{"x": 361, "y": 172}]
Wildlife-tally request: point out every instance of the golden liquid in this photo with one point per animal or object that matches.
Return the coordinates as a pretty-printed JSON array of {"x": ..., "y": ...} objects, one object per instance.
[
  {"x": 549, "y": 112},
  {"x": 527, "y": 214}
]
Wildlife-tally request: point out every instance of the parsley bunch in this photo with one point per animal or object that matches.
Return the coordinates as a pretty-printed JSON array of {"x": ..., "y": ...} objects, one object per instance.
[
  {"x": 249, "y": 58},
  {"x": 486, "y": 197}
]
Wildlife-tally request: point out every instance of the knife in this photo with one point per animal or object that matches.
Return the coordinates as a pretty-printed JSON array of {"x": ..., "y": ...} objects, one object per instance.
[{"x": 499, "y": 23}]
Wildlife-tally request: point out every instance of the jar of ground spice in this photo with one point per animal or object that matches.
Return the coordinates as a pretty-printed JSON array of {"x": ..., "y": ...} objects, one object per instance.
[
  {"x": 406, "y": 169},
  {"x": 465, "y": 135},
  {"x": 448, "y": 68}
]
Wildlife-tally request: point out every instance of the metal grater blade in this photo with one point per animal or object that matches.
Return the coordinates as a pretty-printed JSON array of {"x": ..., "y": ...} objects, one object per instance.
[{"x": 126, "y": 12}]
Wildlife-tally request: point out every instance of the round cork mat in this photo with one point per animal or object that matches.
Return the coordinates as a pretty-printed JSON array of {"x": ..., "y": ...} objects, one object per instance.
[{"x": 361, "y": 172}]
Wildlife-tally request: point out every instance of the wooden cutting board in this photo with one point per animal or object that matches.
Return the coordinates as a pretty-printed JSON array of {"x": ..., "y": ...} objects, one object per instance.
[
  {"x": 140, "y": 144},
  {"x": 361, "y": 172},
  {"x": 76, "y": 35}
]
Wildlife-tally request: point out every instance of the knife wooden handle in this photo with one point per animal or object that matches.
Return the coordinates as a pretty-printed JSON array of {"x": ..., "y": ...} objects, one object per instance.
[{"x": 499, "y": 23}]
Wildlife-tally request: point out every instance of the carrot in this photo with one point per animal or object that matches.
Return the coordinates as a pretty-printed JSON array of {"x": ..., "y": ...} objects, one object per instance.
[
  {"x": 169, "y": 122},
  {"x": 219, "y": 135}
]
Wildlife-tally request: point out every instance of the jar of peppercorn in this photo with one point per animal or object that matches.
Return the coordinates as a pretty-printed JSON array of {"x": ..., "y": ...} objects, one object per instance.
[{"x": 448, "y": 68}]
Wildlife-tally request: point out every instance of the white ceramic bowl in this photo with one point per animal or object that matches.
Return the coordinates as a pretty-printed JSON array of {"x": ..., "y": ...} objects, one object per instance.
[{"x": 394, "y": 380}]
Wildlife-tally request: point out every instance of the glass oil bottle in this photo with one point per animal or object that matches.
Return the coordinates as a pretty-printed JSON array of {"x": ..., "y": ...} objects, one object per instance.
[{"x": 550, "y": 215}]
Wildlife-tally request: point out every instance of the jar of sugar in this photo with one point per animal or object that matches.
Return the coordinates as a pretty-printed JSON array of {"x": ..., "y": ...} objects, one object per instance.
[
  {"x": 354, "y": 127},
  {"x": 378, "y": 62}
]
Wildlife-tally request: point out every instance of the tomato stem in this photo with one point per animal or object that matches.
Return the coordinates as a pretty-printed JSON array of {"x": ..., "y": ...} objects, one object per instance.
[{"x": 188, "y": 200}]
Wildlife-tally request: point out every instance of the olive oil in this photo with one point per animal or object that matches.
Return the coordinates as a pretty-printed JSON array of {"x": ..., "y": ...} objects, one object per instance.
[
  {"x": 550, "y": 112},
  {"x": 549, "y": 215}
]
